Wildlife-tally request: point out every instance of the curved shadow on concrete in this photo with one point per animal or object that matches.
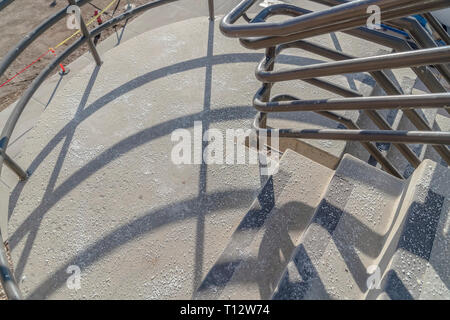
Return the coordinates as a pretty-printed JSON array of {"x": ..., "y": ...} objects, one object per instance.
[
  {"x": 53, "y": 195},
  {"x": 152, "y": 220}
]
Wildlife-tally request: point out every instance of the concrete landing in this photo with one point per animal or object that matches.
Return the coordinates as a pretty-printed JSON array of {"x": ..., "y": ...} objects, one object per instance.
[
  {"x": 105, "y": 196},
  {"x": 261, "y": 246}
]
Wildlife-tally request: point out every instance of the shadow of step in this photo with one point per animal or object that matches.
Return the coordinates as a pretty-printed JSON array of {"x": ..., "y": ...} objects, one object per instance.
[
  {"x": 259, "y": 249},
  {"x": 345, "y": 237}
]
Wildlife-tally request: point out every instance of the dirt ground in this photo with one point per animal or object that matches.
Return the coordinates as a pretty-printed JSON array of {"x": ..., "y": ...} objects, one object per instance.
[{"x": 21, "y": 17}]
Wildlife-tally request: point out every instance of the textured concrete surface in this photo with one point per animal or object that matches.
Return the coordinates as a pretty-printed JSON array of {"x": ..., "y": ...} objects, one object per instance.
[
  {"x": 262, "y": 244},
  {"x": 152, "y": 19},
  {"x": 373, "y": 227},
  {"x": 345, "y": 236},
  {"x": 174, "y": 12}
]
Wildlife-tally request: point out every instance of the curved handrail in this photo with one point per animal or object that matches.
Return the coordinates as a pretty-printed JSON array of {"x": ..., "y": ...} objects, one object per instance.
[
  {"x": 367, "y": 64},
  {"x": 398, "y": 44},
  {"x": 5, "y": 3},
  {"x": 394, "y": 42},
  {"x": 350, "y": 15},
  {"x": 414, "y": 29},
  {"x": 33, "y": 35},
  {"x": 6, "y": 277}
]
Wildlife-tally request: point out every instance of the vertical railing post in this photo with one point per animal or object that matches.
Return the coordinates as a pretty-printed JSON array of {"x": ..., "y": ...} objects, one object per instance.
[
  {"x": 87, "y": 34},
  {"x": 211, "y": 9},
  {"x": 23, "y": 175}
]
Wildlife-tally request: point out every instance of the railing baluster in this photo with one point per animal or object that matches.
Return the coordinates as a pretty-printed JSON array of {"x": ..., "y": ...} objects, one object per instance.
[
  {"x": 23, "y": 175},
  {"x": 211, "y": 9}
]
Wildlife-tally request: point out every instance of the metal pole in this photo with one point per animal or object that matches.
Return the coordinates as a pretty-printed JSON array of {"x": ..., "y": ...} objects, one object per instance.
[
  {"x": 6, "y": 277},
  {"x": 128, "y": 7},
  {"x": 211, "y": 9},
  {"x": 438, "y": 27},
  {"x": 87, "y": 34},
  {"x": 23, "y": 175}
]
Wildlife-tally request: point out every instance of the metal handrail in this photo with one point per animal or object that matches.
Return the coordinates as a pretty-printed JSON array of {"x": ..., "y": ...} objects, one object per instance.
[
  {"x": 412, "y": 27},
  {"x": 367, "y": 64},
  {"x": 275, "y": 37},
  {"x": 6, "y": 277},
  {"x": 396, "y": 43},
  {"x": 350, "y": 15},
  {"x": 388, "y": 86}
]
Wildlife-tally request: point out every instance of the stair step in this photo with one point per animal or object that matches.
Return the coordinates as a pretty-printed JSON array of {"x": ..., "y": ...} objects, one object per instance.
[
  {"x": 260, "y": 247},
  {"x": 346, "y": 235},
  {"x": 419, "y": 268}
]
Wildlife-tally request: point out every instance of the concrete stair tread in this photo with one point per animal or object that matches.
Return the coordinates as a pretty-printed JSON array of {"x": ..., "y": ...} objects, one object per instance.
[
  {"x": 345, "y": 236},
  {"x": 260, "y": 247},
  {"x": 409, "y": 247}
]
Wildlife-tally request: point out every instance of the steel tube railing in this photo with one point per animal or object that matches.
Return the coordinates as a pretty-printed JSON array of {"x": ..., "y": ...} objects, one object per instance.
[
  {"x": 33, "y": 35},
  {"x": 350, "y": 124},
  {"x": 367, "y": 64},
  {"x": 379, "y": 76},
  {"x": 276, "y": 37},
  {"x": 410, "y": 114},
  {"x": 363, "y": 103},
  {"x": 350, "y": 15},
  {"x": 400, "y": 45},
  {"x": 437, "y": 27},
  {"x": 430, "y": 18},
  {"x": 410, "y": 137},
  {"x": 423, "y": 39},
  {"x": 415, "y": 29}
]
